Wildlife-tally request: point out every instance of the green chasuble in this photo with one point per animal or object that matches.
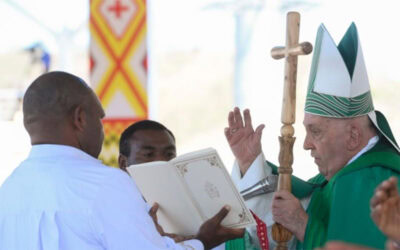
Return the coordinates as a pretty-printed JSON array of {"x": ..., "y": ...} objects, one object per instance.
[{"x": 339, "y": 209}]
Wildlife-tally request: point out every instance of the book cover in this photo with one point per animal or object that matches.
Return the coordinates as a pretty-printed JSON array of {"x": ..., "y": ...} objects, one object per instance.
[{"x": 191, "y": 189}]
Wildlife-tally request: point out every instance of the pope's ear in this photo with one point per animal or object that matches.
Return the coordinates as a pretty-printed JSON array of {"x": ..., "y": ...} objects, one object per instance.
[
  {"x": 79, "y": 118},
  {"x": 355, "y": 137}
]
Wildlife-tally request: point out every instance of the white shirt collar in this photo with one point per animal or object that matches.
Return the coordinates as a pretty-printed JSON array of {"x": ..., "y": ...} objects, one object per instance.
[
  {"x": 371, "y": 143},
  {"x": 55, "y": 150}
]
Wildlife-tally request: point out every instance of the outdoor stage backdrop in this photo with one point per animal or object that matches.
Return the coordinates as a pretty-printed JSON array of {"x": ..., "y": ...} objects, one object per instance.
[{"x": 118, "y": 66}]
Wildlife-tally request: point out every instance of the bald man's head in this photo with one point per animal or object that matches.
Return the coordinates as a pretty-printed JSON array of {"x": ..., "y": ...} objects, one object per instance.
[
  {"x": 60, "y": 108},
  {"x": 52, "y": 96}
]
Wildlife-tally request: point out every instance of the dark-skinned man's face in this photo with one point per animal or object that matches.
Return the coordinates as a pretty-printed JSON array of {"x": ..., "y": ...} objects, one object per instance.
[{"x": 149, "y": 145}]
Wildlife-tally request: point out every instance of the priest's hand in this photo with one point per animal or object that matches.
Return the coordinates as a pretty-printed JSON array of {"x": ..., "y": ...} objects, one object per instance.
[
  {"x": 175, "y": 237},
  {"x": 244, "y": 142},
  {"x": 288, "y": 211},
  {"x": 385, "y": 208},
  {"x": 212, "y": 234}
]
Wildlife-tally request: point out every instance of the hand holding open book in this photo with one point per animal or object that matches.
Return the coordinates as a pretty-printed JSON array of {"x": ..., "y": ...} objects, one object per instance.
[
  {"x": 211, "y": 233},
  {"x": 191, "y": 189}
]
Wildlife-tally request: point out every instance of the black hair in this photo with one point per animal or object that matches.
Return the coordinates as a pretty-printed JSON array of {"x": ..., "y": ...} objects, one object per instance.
[{"x": 124, "y": 145}]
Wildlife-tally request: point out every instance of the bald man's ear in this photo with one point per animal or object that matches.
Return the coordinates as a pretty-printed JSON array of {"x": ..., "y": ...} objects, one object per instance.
[
  {"x": 122, "y": 162},
  {"x": 79, "y": 118}
]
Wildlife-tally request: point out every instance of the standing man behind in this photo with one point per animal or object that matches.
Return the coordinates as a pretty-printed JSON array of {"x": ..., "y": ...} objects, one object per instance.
[
  {"x": 62, "y": 197},
  {"x": 351, "y": 143},
  {"x": 147, "y": 141}
]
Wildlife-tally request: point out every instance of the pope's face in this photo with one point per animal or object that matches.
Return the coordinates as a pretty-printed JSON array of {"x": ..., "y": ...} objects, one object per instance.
[{"x": 327, "y": 139}]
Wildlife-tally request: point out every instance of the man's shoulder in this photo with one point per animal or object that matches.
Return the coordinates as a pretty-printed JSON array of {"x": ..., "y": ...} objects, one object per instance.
[
  {"x": 95, "y": 167},
  {"x": 96, "y": 177},
  {"x": 366, "y": 178},
  {"x": 111, "y": 170},
  {"x": 112, "y": 174},
  {"x": 373, "y": 162}
]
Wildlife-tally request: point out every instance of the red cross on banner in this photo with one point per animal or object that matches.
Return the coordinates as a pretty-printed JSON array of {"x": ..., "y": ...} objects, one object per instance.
[
  {"x": 118, "y": 8},
  {"x": 118, "y": 67}
]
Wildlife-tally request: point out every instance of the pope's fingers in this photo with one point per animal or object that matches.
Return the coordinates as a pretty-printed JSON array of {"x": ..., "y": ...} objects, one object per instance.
[
  {"x": 283, "y": 194},
  {"x": 259, "y": 130},
  {"x": 231, "y": 120},
  {"x": 228, "y": 135},
  {"x": 238, "y": 118},
  {"x": 279, "y": 205},
  {"x": 278, "y": 218},
  {"x": 278, "y": 211},
  {"x": 247, "y": 119}
]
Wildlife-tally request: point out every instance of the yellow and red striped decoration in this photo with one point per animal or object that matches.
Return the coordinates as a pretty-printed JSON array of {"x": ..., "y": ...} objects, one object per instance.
[{"x": 118, "y": 66}]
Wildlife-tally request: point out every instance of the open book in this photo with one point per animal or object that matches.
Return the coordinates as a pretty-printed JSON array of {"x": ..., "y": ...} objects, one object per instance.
[{"x": 191, "y": 189}]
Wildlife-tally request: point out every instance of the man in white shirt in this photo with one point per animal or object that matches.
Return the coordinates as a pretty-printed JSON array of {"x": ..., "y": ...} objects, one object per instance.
[{"x": 62, "y": 197}]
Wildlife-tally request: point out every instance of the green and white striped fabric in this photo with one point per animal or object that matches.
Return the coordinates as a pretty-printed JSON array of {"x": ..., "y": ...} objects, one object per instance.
[{"x": 338, "y": 83}]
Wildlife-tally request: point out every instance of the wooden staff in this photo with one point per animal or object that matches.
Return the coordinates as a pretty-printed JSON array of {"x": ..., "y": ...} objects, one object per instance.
[{"x": 293, "y": 49}]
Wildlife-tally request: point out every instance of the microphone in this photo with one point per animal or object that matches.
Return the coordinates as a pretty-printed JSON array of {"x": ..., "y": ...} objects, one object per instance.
[{"x": 265, "y": 186}]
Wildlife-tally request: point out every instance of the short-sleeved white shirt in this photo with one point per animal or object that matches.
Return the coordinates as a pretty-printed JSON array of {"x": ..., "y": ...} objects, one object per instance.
[{"x": 62, "y": 198}]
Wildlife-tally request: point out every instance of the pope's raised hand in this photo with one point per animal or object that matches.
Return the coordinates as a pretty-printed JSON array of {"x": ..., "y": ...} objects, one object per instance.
[{"x": 244, "y": 142}]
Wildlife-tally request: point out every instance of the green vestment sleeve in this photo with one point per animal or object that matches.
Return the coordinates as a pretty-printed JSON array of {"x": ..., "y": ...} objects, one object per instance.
[{"x": 301, "y": 189}]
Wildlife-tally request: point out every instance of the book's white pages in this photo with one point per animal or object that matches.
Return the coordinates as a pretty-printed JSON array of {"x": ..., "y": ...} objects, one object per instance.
[{"x": 191, "y": 189}]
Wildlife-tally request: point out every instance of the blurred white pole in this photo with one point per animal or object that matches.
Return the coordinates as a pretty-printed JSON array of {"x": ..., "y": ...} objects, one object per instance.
[{"x": 245, "y": 14}]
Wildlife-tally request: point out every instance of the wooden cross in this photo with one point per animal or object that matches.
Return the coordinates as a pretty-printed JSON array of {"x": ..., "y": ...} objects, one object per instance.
[{"x": 293, "y": 49}]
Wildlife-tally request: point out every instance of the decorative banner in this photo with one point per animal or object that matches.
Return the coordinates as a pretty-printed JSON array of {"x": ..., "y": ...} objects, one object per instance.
[{"x": 118, "y": 66}]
